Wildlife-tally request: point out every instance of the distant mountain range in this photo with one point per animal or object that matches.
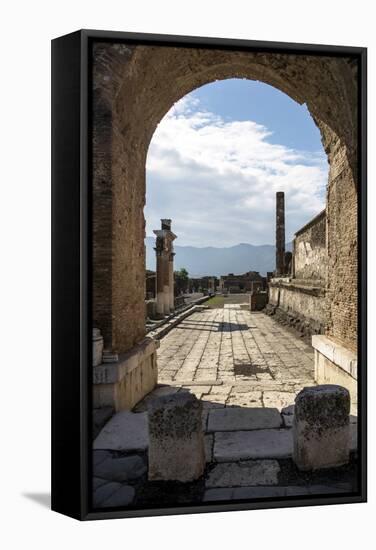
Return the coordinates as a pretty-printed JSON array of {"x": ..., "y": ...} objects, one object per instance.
[{"x": 210, "y": 260}]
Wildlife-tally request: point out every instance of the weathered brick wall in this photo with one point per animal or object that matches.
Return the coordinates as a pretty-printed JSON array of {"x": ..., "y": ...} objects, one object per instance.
[
  {"x": 118, "y": 202},
  {"x": 134, "y": 87},
  {"x": 342, "y": 288},
  {"x": 310, "y": 251}
]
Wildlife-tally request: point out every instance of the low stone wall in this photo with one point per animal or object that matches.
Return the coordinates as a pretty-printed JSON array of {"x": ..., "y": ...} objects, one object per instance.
[
  {"x": 298, "y": 304},
  {"x": 335, "y": 364},
  {"x": 123, "y": 384}
]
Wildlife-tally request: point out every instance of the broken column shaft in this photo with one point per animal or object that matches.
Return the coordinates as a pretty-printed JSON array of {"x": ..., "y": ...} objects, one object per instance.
[
  {"x": 160, "y": 260},
  {"x": 280, "y": 234},
  {"x": 171, "y": 280},
  {"x": 165, "y": 269}
]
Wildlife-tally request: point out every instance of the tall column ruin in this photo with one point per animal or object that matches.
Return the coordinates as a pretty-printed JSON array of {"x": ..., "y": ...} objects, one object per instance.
[
  {"x": 171, "y": 280},
  {"x": 280, "y": 234},
  {"x": 159, "y": 279},
  {"x": 165, "y": 268}
]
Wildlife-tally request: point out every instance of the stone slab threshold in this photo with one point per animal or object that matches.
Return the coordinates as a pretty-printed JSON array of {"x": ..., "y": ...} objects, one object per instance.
[
  {"x": 128, "y": 432},
  {"x": 248, "y": 493}
]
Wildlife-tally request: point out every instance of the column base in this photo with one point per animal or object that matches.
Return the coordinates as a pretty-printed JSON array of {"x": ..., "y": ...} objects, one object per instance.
[{"x": 123, "y": 384}]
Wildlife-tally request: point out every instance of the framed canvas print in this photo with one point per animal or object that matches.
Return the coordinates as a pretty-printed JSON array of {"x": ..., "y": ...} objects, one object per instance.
[{"x": 209, "y": 274}]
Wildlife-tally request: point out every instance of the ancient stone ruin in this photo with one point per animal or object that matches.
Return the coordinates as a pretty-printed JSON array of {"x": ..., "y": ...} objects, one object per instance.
[
  {"x": 243, "y": 368},
  {"x": 300, "y": 296},
  {"x": 165, "y": 269}
]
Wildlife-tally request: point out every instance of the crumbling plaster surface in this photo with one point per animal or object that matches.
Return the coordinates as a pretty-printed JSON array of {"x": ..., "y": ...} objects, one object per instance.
[
  {"x": 134, "y": 87},
  {"x": 310, "y": 251}
]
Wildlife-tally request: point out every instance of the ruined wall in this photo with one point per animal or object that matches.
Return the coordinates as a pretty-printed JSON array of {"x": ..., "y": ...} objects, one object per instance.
[
  {"x": 134, "y": 87},
  {"x": 342, "y": 287},
  {"x": 300, "y": 306},
  {"x": 118, "y": 202},
  {"x": 310, "y": 252}
]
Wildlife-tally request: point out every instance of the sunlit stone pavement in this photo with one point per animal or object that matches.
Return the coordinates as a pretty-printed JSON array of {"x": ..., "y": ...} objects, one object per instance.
[
  {"x": 247, "y": 370},
  {"x": 232, "y": 357}
]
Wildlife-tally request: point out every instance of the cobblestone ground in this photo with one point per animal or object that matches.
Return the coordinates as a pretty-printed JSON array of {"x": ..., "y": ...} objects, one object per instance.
[
  {"x": 231, "y": 356},
  {"x": 247, "y": 370}
]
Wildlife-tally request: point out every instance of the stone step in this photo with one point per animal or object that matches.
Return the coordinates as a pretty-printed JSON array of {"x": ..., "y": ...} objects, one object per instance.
[
  {"x": 237, "y": 419},
  {"x": 245, "y": 473},
  {"x": 256, "y": 444},
  {"x": 126, "y": 431},
  {"x": 247, "y": 493}
]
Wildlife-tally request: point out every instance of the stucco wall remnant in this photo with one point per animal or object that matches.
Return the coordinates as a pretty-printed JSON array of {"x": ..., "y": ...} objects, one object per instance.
[{"x": 310, "y": 251}]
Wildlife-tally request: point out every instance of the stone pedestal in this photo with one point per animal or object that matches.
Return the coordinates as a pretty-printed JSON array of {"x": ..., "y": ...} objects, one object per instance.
[
  {"x": 321, "y": 430},
  {"x": 176, "y": 439},
  {"x": 335, "y": 364},
  {"x": 97, "y": 347},
  {"x": 122, "y": 384}
]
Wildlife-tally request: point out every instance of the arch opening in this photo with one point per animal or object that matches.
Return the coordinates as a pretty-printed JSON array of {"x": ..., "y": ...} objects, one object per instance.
[{"x": 135, "y": 86}]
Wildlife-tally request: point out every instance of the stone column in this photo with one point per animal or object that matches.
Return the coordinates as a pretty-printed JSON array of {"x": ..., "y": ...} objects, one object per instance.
[
  {"x": 159, "y": 290},
  {"x": 171, "y": 281},
  {"x": 280, "y": 234},
  {"x": 165, "y": 283}
]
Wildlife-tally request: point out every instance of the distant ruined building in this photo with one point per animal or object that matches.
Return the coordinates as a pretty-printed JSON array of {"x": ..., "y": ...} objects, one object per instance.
[{"x": 248, "y": 282}]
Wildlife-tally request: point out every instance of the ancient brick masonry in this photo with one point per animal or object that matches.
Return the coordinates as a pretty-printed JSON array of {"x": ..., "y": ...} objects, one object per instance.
[{"x": 134, "y": 87}]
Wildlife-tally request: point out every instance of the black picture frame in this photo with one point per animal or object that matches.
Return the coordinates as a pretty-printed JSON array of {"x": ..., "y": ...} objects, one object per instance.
[{"x": 71, "y": 270}]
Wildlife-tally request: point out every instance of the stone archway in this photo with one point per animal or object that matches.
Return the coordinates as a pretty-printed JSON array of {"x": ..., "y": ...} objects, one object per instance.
[{"x": 134, "y": 87}]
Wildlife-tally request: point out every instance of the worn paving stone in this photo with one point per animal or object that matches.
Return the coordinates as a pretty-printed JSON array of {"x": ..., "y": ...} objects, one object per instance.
[
  {"x": 243, "y": 474},
  {"x": 209, "y": 343},
  {"x": 121, "y": 468},
  {"x": 278, "y": 400},
  {"x": 126, "y": 431},
  {"x": 98, "y": 482},
  {"x": 248, "y": 493},
  {"x": 246, "y": 399},
  {"x": 100, "y": 417},
  {"x": 233, "y": 446},
  {"x": 100, "y": 456},
  {"x": 242, "y": 493},
  {"x": 121, "y": 497},
  {"x": 235, "y": 419},
  {"x": 104, "y": 491}
]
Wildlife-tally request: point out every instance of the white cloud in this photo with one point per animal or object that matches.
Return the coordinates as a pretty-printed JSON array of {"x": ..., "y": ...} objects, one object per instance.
[{"x": 217, "y": 179}]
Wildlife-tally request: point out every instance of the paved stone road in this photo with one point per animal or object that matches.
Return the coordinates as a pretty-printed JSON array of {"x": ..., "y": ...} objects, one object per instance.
[
  {"x": 231, "y": 357},
  {"x": 247, "y": 370}
]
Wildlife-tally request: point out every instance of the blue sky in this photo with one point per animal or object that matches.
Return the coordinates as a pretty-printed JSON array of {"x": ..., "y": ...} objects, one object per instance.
[{"x": 220, "y": 154}]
